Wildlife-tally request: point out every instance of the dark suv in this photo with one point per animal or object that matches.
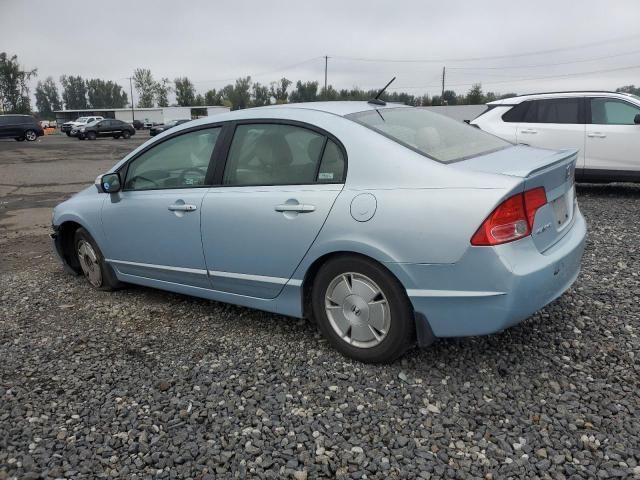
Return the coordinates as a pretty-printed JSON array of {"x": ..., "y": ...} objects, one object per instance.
[
  {"x": 106, "y": 128},
  {"x": 20, "y": 127}
]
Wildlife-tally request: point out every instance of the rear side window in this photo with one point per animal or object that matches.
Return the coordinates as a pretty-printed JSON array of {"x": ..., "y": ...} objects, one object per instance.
[
  {"x": 556, "y": 110},
  {"x": 272, "y": 154},
  {"x": 435, "y": 136},
  {"x": 517, "y": 113},
  {"x": 608, "y": 111}
]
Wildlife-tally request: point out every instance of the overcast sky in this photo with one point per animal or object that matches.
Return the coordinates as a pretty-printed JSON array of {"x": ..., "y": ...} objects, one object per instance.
[{"x": 215, "y": 42}]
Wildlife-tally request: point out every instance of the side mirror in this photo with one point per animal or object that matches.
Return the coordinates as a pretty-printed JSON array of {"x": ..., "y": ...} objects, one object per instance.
[
  {"x": 108, "y": 183},
  {"x": 636, "y": 119}
]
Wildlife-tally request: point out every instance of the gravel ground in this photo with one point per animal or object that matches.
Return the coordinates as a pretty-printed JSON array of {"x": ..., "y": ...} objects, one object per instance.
[{"x": 144, "y": 384}]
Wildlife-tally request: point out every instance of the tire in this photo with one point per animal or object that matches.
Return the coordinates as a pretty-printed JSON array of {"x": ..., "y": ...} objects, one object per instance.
[
  {"x": 378, "y": 337},
  {"x": 30, "y": 135},
  {"x": 91, "y": 135},
  {"x": 126, "y": 134},
  {"x": 116, "y": 136},
  {"x": 68, "y": 134},
  {"x": 20, "y": 139},
  {"x": 91, "y": 261}
]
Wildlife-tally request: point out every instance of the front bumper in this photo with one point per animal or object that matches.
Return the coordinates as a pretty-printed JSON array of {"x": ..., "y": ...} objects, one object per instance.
[{"x": 493, "y": 288}]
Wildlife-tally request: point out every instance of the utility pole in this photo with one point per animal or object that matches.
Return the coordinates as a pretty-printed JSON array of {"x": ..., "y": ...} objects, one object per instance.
[
  {"x": 326, "y": 61},
  {"x": 442, "y": 96},
  {"x": 131, "y": 88}
]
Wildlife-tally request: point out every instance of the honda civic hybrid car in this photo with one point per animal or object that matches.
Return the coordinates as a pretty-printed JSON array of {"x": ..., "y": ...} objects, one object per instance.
[
  {"x": 603, "y": 126},
  {"x": 387, "y": 225}
]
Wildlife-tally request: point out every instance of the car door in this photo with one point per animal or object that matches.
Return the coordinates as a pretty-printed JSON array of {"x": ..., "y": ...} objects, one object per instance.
[
  {"x": 152, "y": 226},
  {"x": 613, "y": 139},
  {"x": 554, "y": 123},
  {"x": 277, "y": 188},
  {"x": 5, "y": 128},
  {"x": 103, "y": 128}
]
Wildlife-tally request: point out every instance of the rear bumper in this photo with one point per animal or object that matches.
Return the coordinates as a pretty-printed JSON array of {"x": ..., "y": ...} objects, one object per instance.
[{"x": 493, "y": 288}]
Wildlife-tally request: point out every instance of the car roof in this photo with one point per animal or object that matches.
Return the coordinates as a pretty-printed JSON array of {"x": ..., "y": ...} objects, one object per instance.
[
  {"x": 568, "y": 94},
  {"x": 341, "y": 108}
]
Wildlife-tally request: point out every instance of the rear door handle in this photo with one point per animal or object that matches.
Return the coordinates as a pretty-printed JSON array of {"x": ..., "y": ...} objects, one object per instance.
[
  {"x": 295, "y": 207},
  {"x": 596, "y": 135},
  {"x": 184, "y": 207}
]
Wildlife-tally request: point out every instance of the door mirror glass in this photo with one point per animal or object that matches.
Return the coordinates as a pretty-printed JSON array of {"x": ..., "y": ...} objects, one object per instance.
[
  {"x": 636, "y": 119},
  {"x": 110, "y": 182}
]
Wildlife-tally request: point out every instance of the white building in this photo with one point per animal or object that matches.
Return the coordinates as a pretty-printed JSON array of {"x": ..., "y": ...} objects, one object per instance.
[{"x": 155, "y": 115}]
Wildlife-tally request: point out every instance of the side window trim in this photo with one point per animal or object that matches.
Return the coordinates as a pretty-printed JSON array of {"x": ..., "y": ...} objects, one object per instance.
[
  {"x": 123, "y": 170},
  {"x": 221, "y": 162}
]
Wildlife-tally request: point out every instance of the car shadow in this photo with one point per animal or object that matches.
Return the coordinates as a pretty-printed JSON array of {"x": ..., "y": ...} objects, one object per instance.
[{"x": 608, "y": 189}]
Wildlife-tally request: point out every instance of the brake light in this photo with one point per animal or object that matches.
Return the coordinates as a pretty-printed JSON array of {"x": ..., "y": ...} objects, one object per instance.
[{"x": 511, "y": 220}]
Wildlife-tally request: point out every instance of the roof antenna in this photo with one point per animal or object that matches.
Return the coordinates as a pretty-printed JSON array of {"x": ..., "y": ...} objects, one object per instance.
[{"x": 376, "y": 100}]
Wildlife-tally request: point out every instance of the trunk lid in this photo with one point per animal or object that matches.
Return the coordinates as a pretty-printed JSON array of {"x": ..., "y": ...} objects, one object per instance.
[{"x": 552, "y": 169}]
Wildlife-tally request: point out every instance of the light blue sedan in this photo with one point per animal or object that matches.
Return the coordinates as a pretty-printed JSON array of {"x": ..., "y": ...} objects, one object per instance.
[{"x": 388, "y": 225}]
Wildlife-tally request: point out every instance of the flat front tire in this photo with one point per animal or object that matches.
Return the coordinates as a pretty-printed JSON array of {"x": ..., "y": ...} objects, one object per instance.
[
  {"x": 362, "y": 309},
  {"x": 91, "y": 261}
]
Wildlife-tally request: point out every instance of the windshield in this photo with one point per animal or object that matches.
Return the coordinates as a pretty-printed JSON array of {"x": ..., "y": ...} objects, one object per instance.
[
  {"x": 436, "y": 136},
  {"x": 81, "y": 119}
]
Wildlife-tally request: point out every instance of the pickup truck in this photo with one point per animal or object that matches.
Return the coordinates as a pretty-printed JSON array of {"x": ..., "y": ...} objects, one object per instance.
[{"x": 78, "y": 122}]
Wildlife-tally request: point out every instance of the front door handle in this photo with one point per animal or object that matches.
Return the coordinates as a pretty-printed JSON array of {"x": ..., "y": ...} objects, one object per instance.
[
  {"x": 529, "y": 130},
  {"x": 184, "y": 207},
  {"x": 295, "y": 207},
  {"x": 596, "y": 135}
]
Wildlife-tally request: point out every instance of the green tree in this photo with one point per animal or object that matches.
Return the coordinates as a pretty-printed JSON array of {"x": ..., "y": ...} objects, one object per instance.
[
  {"x": 261, "y": 95},
  {"x": 14, "y": 87},
  {"x": 145, "y": 86},
  {"x": 105, "y": 94},
  {"x": 425, "y": 100},
  {"x": 304, "y": 92},
  {"x": 47, "y": 98},
  {"x": 279, "y": 90},
  {"x": 162, "y": 91},
  {"x": 74, "y": 92},
  {"x": 329, "y": 94},
  {"x": 629, "y": 89},
  {"x": 450, "y": 97},
  {"x": 507, "y": 95},
  {"x": 185, "y": 92},
  {"x": 238, "y": 96},
  {"x": 475, "y": 96},
  {"x": 490, "y": 97},
  {"x": 213, "y": 97},
  {"x": 436, "y": 100}
]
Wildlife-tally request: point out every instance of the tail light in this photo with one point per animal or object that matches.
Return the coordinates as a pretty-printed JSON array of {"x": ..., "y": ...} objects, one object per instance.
[{"x": 511, "y": 220}]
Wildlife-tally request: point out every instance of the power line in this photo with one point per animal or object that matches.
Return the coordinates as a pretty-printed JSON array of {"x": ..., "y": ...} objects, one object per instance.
[
  {"x": 578, "y": 74},
  {"x": 493, "y": 57}
]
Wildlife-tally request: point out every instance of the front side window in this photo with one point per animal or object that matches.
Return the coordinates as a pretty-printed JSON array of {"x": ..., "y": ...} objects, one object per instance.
[
  {"x": 179, "y": 162},
  {"x": 436, "y": 136},
  {"x": 608, "y": 111},
  {"x": 270, "y": 154}
]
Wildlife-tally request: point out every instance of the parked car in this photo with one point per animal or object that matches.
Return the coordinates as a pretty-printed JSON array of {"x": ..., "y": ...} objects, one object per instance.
[
  {"x": 137, "y": 124},
  {"x": 20, "y": 127},
  {"x": 106, "y": 128},
  {"x": 387, "y": 224},
  {"x": 67, "y": 127},
  {"x": 153, "y": 131},
  {"x": 603, "y": 126}
]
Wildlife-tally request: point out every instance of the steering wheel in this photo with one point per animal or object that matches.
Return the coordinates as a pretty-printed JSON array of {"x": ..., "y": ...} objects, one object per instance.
[
  {"x": 199, "y": 170},
  {"x": 140, "y": 177}
]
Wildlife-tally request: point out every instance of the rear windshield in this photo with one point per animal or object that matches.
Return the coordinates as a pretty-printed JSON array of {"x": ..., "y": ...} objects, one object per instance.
[{"x": 436, "y": 136}]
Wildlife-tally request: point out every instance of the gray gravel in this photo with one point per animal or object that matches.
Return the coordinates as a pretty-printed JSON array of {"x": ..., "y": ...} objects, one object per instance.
[{"x": 144, "y": 384}]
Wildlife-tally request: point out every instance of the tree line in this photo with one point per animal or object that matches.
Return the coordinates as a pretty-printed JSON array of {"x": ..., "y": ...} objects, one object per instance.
[{"x": 78, "y": 93}]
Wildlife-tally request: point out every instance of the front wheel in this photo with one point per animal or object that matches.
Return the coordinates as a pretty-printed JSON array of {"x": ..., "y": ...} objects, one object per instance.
[
  {"x": 91, "y": 135},
  {"x": 68, "y": 134},
  {"x": 126, "y": 134},
  {"x": 30, "y": 135},
  {"x": 91, "y": 262},
  {"x": 362, "y": 309}
]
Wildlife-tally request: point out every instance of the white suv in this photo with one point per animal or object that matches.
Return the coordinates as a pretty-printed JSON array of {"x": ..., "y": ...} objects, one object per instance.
[{"x": 603, "y": 126}]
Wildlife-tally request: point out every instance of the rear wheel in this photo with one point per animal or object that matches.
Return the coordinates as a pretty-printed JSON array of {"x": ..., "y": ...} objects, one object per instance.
[
  {"x": 126, "y": 134},
  {"x": 20, "y": 139},
  {"x": 116, "y": 136},
  {"x": 362, "y": 309},
  {"x": 91, "y": 135},
  {"x": 92, "y": 263},
  {"x": 30, "y": 135}
]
